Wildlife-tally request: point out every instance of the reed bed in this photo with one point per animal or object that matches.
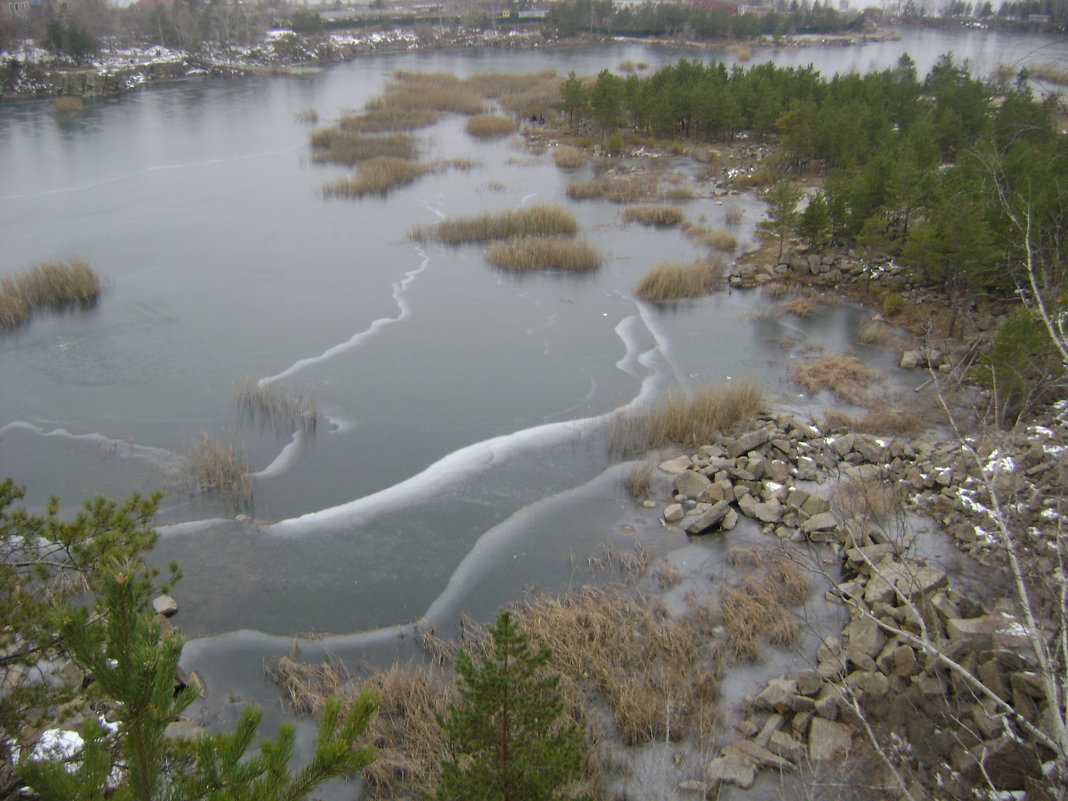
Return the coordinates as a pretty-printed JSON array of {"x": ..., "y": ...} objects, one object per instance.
[
  {"x": 524, "y": 253},
  {"x": 215, "y": 464},
  {"x": 627, "y": 66},
  {"x": 568, "y": 157},
  {"x": 68, "y": 104},
  {"x": 639, "y": 479},
  {"x": 282, "y": 408},
  {"x": 846, "y": 377},
  {"x": 741, "y": 52},
  {"x": 715, "y": 238},
  {"x": 542, "y": 220},
  {"x": 687, "y": 420},
  {"x": 754, "y": 617},
  {"x": 527, "y": 95},
  {"x": 377, "y": 175},
  {"x": 381, "y": 119},
  {"x": 618, "y": 189},
  {"x": 679, "y": 192},
  {"x": 733, "y": 215},
  {"x": 669, "y": 281},
  {"x": 656, "y": 216},
  {"x": 1049, "y": 71},
  {"x": 336, "y": 145},
  {"x": 490, "y": 126},
  {"x": 47, "y": 285},
  {"x": 430, "y": 90}
]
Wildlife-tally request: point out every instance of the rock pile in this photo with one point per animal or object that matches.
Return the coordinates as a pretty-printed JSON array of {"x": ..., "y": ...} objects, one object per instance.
[{"x": 918, "y": 657}]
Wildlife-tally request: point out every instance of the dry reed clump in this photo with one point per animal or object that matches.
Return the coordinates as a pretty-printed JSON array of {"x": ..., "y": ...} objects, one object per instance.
[
  {"x": 754, "y": 617},
  {"x": 1049, "y": 71},
  {"x": 715, "y": 238},
  {"x": 50, "y": 284},
  {"x": 846, "y": 377},
  {"x": 376, "y": 176},
  {"x": 656, "y": 673},
  {"x": 569, "y": 158},
  {"x": 68, "y": 104},
  {"x": 531, "y": 221},
  {"x": 878, "y": 332},
  {"x": 389, "y": 118},
  {"x": 336, "y": 145},
  {"x": 868, "y": 497},
  {"x": 801, "y": 306},
  {"x": 282, "y": 408},
  {"x": 438, "y": 91},
  {"x": 741, "y": 52},
  {"x": 668, "y": 281},
  {"x": 889, "y": 420},
  {"x": 528, "y": 95},
  {"x": 490, "y": 126},
  {"x": 627, "y": 66},
  {"x": 733, "y": 215},
  {"x": 464, "y": 164},
  {"x": 659, "y": 216},
  {"x": 679, "y": 192},
  {"x": 689, "y": 420},
  {"x": 216, "y": 464},
  {"x": 618, "y": 189},
  {"x": 524, "y": 253},
  {"x": 307, "y": 686},
  {"x": 639, "y": 479},
  {"x": 309, "y": 115}
]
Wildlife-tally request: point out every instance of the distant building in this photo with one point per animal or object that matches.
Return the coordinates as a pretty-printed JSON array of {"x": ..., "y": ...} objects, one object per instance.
[
  {"x": 1039, "y": 18},
  {"x": 713, "y": 5},
  {"x": 755, "y": 10}
]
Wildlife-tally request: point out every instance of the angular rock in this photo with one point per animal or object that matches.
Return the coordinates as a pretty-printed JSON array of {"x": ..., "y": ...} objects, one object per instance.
[
  {"x": 692, "y": 484},
  {"x": 692, "y": 787},
  {"x": 776, "y": 695},
  {"x": 897, "y": 659},
  {"x": 164, "y": 605},
  {"x": 677, "y": 465},
  {"x": 871, "y": 683},
  {"x": 709, "y": 520},
  {"x": 865, "y": 637},
  {"x": 674, "y": 512},
  {"x": 730, "y": 520},
  {"x": 732, "y": 768},
  {"x": 809, "y": 682},
  {"x": 824, "y": 521},
  {"x": 828, "y": 740},
  {"x": 748, "y": 442},
  {"x": 758, "y": 755},
  {"x": 784, "y": 745}
]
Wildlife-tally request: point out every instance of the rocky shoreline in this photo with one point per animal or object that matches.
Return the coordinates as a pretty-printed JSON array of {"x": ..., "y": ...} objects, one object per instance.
[{"x": 846, "y": 498}]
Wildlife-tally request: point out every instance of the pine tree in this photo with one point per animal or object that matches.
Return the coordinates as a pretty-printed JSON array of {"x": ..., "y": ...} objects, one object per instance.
[{"x": 505, "y": 734}]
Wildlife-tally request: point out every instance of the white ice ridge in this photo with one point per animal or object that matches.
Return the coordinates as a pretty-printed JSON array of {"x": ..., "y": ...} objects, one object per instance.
[
  {"x": 357, "y": 339},
  {"x": 662, "y": 343},
  {"x": 495, "y": 543},
  {"x": 470, "y": 459},
  {"x": 114, "y": 446},
  {"x": 285, "y": 458}
]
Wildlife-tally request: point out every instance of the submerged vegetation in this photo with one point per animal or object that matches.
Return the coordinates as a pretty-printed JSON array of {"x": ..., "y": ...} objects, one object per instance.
[
  {"x": 544, "y": 252},
  {"x": 47, "y": 285},
  {"x": 530, "y": 221}
]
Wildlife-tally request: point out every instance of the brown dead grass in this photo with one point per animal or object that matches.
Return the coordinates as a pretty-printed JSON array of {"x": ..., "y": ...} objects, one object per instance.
[
  {"x": 688, "y": 420},
  {"x": 336, "y": 145},
  {"x": 69, "y": 104},
  {"x": 753, "y": 618},
  {"x": 54, "y": 284},
  {"x": 618, "y": 189},
  {"x": 216, "y": 464},
  {"x": 528, "y": 221},
  {"x": 570, "y": 158},
  {"x": 524, "y": 253},
  {"x": 658, "y": 216},
  {"x": 893, "y": 420},
  {"x": 639, "y": 479},
  {"x": 715, "y": 238},
  {"x": 878, "y": 332},
  {"x": 668, "y": 281},
  {"x": 377, "y": 176},
  {"x": 846, "y": 377},
  {"x": 867, "y": 497},
  {"x": 490, "y": 126}
]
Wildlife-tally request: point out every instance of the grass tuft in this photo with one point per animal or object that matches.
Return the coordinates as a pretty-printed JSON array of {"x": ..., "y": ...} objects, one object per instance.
[
  {"x": 529, "y": 221},
  {"x": 216, "y": 464},
  {"x": 69, "y": 105},
  {"x": 376, "y": 176},
  {"x": 639, "y": 479},
  {"x": 50, "y": 284},
  {"x": 284, "y": 409},
  {"x": 715, "y": 238},
  {"x": 668, "y": 281},
  {"x": 846, "y": 377},
  {"x": 544, "y": 252},
  {"x": 490, "y": 126},
  {"x": 339, "y": 146},
  {"x": 688, "y": 420},
  {"x": 658, "y": 216},
  {"x": 569, "y": 158}
]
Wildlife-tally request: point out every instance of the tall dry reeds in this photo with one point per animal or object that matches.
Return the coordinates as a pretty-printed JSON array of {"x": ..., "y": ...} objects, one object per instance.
[
  {"x": 1049, "y": 71},
  {"x": 657, "y": 216},
  {"x": 542, "y": 220},
  {"x": 337, "y": 145},
  {"x": 282, "y": 408},
  {"x": 69, "y": 105},
  {"x": 490, "y": 126},
  {"x": 377, "y": 175},
  {"x": 526, "y": 95},
  {"x": 618, "y": 189},
  {"x": 544, "y": 252},
  {"x": 49, "y": 284},
  {"x": 570, "y": 158},
  {"x": 669, "y": 281},
  {"x": 688, "y": 420},
  {"x": 733, "y": 215},
  {"x": 216, "y": 464},
  {"x": 715, "y": 238},
  {"x": 846, "y": 377},
  {"x": 639, "y": 479},
  {"x": 753, "y": 618}
]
